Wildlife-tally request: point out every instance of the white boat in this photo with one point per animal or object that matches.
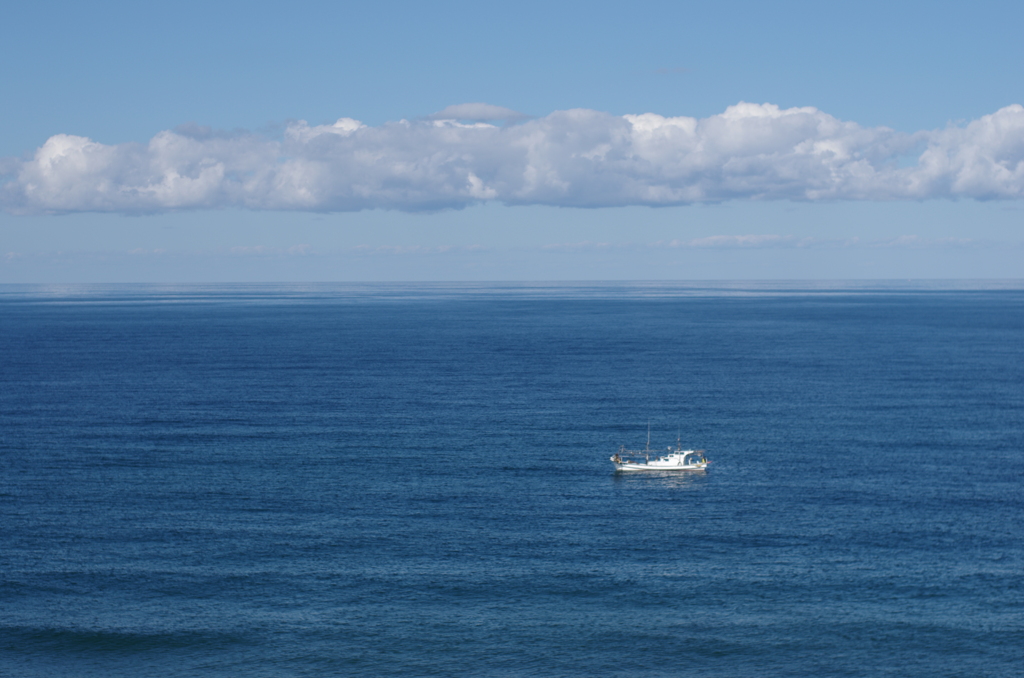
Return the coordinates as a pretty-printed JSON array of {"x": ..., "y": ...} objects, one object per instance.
[{"x": 674, "y": 459}]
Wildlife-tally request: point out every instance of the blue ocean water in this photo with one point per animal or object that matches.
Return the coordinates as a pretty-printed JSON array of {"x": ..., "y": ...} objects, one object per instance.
[{"x": 413, "y": 480}]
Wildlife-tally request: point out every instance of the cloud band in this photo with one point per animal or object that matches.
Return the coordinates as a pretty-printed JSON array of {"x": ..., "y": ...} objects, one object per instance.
[{"x": 575, "y": 158}]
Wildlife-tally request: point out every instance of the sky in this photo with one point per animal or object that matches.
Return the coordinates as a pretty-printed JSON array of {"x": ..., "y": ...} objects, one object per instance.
[{"x": 264, "y": 141}]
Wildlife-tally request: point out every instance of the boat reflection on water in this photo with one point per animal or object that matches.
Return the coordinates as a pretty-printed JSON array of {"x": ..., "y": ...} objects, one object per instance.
[{"x": 665, "y": 479}]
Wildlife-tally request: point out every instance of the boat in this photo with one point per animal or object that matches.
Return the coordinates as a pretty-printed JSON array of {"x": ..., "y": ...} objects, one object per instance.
[{"x": 674, "y": 459}]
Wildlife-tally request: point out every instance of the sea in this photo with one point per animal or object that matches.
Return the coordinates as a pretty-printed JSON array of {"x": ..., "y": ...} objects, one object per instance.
[{"x": 414, "y": 480}]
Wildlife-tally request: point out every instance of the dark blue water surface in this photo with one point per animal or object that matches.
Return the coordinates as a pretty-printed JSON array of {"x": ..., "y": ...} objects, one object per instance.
[{"x": 414, "y": 481}]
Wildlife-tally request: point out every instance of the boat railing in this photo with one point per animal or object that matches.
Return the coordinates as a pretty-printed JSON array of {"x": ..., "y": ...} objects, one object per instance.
[{"x": 636, "y": 453}]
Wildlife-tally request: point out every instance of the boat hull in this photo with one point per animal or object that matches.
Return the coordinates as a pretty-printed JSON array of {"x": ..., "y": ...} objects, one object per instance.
[{"x": 660, "y": 467}]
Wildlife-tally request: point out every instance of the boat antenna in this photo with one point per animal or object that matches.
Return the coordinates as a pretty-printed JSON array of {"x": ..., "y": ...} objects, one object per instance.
[{"x": 648, "y": 434}]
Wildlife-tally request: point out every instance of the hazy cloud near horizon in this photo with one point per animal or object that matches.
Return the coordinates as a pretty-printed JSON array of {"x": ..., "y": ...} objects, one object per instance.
[{"x": 574, "y": 158}]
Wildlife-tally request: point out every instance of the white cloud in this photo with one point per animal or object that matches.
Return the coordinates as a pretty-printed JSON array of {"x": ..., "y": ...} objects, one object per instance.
[{"x": 578, "y": 158}]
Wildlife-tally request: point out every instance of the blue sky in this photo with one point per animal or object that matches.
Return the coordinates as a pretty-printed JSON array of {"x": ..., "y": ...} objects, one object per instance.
[{"x": 235, "y": 80}]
